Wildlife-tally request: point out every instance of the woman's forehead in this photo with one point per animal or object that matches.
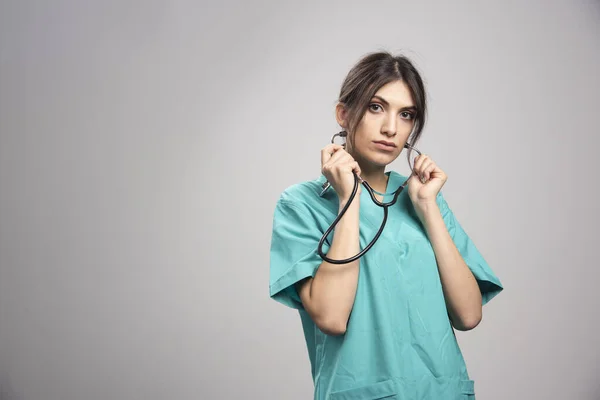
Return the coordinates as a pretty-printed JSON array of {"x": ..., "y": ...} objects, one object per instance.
[{"x": 396, "y": 94}]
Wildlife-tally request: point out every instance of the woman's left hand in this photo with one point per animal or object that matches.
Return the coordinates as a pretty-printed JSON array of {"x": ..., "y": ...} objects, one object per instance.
[{"x": 425, "y": 184}]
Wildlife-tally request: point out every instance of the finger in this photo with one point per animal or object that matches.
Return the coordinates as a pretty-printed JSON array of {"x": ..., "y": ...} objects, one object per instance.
[
  {"x": 419, "y": 162},
  {"x": 332, "y": 148},
  {"x": 419, "y": 172},
  {"x": 417, "y": 167},
  {"x": 438, "y": 173},
  {"x": 424, "y": 168},
  {"x": 428, "y": 169},
  {"x": 339, "y": 156},
  {"x": 415, "y": 177},
  {"x": 328, "y": 151},
  {"x": 356, "y": 168}
]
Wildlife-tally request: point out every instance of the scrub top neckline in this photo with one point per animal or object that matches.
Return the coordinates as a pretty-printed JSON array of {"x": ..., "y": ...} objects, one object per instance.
[{"x": 392, "y": 185}]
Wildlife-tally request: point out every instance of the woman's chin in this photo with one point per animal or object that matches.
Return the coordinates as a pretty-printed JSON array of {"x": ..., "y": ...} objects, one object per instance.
[{"x": 381, "y": 161}]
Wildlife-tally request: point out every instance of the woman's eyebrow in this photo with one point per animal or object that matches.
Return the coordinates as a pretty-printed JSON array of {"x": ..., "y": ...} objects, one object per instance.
[{"x": 384, "y": 101}]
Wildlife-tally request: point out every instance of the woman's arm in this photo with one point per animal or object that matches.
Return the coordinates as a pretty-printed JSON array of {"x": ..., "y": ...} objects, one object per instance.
[
  {"x": 462, "y": 294},
  {"x": 329, "y": 296}
]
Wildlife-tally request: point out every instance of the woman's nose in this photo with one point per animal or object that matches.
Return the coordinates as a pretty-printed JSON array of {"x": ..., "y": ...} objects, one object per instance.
[{"x": 389, "y": 127}]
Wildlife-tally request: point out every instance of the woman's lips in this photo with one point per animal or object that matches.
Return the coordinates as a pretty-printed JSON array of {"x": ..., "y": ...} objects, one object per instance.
[{"x": 384, "y": 146}]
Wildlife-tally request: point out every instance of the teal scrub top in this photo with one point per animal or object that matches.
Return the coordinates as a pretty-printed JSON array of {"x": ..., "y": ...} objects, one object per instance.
[{"x": 399, "y": 342}]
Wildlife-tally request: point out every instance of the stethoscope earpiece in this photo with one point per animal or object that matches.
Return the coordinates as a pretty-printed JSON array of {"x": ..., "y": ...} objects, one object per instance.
[{"x": 342, "y": 134}]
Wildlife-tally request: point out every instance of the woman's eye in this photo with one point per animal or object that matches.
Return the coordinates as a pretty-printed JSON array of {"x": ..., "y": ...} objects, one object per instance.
[
  {"x": 407, "y": 115},
  {"x": 374, "y": 105}
]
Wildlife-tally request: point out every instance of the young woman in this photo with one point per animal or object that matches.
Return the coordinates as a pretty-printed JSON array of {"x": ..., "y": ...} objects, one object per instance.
[{"x": 381, "y": 326}]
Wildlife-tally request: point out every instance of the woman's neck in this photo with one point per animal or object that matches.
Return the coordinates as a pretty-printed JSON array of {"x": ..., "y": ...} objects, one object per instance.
[
  {"x": 376, "y": 178},
  {"x": 374, "y": 175}
]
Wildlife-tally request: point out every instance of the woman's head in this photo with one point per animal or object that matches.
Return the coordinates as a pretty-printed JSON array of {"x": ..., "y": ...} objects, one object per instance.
[{"x": 382, "y": 99}]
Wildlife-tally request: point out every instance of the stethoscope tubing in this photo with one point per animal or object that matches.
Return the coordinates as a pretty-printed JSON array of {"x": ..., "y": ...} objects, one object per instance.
[{"x": 357, "y": 181}]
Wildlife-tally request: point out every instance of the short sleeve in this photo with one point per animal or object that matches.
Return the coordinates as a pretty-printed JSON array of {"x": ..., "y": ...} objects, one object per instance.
[
  {"x": 293, "y": 254},
  {"x": 488, "y": 282}
]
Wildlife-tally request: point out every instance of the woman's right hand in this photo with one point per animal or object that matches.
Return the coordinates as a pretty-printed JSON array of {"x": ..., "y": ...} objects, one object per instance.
[{"x": 338, "y": 166}]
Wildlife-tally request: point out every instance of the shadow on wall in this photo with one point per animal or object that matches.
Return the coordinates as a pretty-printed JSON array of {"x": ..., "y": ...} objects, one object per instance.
[{"x": 6, "y": 390}]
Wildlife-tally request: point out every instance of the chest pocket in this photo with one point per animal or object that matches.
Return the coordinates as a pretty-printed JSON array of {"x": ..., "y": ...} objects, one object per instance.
[
  {"x": 411, "y": 231},
  {"x": 415, "y": 249}
]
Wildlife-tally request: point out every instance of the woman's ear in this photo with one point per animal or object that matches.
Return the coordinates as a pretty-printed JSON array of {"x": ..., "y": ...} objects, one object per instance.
[{"x": 341, "y": 115}]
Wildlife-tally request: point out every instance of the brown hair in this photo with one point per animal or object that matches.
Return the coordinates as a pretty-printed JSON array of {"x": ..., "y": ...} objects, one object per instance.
[{"x": 372, "y": 72}]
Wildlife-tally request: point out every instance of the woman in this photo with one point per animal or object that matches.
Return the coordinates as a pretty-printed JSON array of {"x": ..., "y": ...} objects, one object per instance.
[{"x": 381, "y": 326}]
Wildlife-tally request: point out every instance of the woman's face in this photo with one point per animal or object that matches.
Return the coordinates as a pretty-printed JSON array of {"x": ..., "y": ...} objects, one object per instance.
[{"x": 389, "y": 119}]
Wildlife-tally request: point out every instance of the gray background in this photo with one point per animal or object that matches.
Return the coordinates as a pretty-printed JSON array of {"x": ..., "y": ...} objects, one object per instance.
[{"x": 144, "y": 144}]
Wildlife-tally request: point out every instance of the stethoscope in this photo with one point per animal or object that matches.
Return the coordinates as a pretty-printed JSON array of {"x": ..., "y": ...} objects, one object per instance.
[{"x": 372, "y": 193}]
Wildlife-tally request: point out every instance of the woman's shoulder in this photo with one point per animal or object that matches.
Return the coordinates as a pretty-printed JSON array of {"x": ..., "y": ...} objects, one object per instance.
[
  {"x": 307, "y": 191},
  {"x": 303, "y": 200}
]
